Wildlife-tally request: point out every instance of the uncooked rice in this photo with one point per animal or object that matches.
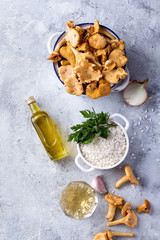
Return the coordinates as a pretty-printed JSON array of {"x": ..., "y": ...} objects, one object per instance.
[{"x": 105, "y": 152}]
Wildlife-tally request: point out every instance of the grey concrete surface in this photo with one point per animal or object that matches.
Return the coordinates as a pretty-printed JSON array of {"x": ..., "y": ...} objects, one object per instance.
[{"x": 30, "y": 184}]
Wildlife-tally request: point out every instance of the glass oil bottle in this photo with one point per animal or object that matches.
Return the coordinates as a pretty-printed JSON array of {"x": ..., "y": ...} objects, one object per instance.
[{"x": 46, "y": 131}]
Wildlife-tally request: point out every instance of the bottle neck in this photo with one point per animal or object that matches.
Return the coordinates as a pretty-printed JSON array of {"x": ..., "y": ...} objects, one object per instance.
[{"x": 34, "y": 107}]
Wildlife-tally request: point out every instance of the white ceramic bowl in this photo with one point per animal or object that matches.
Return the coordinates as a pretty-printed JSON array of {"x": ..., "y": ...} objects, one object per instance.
[
  {"x": 79, "y": 158},
  {"x": 56, "y": 37}
]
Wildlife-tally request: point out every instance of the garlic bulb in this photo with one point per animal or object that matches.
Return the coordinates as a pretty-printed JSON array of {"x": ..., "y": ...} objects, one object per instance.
[{"x": 98, "y": 185}]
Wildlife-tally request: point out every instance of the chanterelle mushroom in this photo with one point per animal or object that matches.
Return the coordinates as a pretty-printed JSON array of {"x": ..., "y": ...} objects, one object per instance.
[
  {"x": 118, "y": 234},
  {"x": 80, "y": 31},
  {"x": 87, "y": 55},
  {"x": 73, "y": 86},
  {"x": 96, "y": 26},
  {"x": 65, "y": 72},
  {"x": 86, "y": 72},
  {"x": 68, "y": 54},
  {"x": 129, "y": 220},
  {"x": 84, "y": 47},
  {"x": 100, "y": 236},
  {"x": 114, "y": 75},
  {"x": 113, "y": 202},
  {"x": 73, "y": 37},
  {"x": 118, "y": 56},
  {"x": 93, "y": 91},
  {"x": 125, "y": 208},
  {"x": 70, "y": 24},
  {"x": 145, "y": 207},
  {"x": 54, "y": 57},
  {"x": 130, "y": 177},
  {"x": 109, "y": 65},
  {"x": 97, "y": 41},
  {"x": 117, "y": 43}
]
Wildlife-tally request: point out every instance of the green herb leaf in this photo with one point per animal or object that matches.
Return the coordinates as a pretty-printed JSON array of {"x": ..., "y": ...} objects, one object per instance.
[{"x": 97, "y": 124}]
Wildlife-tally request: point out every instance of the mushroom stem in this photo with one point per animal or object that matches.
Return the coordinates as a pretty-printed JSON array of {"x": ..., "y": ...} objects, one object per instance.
[
  {"x": 116, "y": 222},
  {"x": 101, "y": 30},
  {"x": 111, "y": 212},
  {"x": 121, "y": 181},
  {"x": 130, "y": 177},
  {"x": 120, "y": 234}
]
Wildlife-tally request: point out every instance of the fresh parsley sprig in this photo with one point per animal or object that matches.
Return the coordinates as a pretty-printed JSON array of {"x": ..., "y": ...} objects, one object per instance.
[{"x": 97, "y": 124}]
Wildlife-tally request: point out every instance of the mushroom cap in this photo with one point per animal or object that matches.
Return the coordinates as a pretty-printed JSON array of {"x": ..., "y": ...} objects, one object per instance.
[
  {"x": 114, "y": 75},
  {"x": 86, "y": 72},
  {"x": 147, "y": 206},
  {"x": 130, "y": 174},
  {"x": 97, "y": 41},
  {"x": 65, "y": 72},
  {"x": 73, "y": 37},
  {"x": 73, "y": 86},
  {"x": 70, "y": 24},
  {"x": 126, "y": 207},
  {"x": 67, "y": 53},
  {"x": 100, "y": 236},
  {"x": 118, "y": 56},
  {"x": 117, "y": 43},
  {"x": 115, "y": 200},
  {"x": 130, "y": 219},
  {"x": 54, "y": 57}
]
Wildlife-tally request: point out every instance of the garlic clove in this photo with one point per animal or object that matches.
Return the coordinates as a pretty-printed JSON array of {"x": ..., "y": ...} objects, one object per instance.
[
  {"x": 98, "y": 185},
  {"x": 135, "y": 93}
]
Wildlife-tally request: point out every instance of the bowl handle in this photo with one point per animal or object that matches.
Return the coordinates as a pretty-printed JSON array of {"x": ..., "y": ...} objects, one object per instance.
[
  {"x": 79, "y": 166},
  {"x": 51, "y": 41},
  {"x": 123, "y": 118}
]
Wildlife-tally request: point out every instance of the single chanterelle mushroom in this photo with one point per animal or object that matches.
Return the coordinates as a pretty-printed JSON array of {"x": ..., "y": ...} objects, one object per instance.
[
  {"x": 145, "y": 207},
  {"x": 113, "y": 202},
  {"x": 100, "y": 236},
  {"x": 124, "y": 208},
  {"x": 128, "y": 178},
  {"x": 118, "y": 234},
  {"x": 129, "y": 220}
]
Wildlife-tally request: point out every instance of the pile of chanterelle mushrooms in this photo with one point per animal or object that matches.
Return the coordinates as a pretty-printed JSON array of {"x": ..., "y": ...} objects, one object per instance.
[
  {"x": 89, "y": 60},
  {"x": 129, "y": 216}
]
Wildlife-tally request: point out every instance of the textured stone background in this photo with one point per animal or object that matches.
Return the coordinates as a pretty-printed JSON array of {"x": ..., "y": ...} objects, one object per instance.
[{"x": 30, "y": 184}]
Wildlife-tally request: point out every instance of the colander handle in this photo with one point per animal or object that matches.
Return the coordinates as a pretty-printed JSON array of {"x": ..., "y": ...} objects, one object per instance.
[
  {"x": 52, "y": 40},
  {"x": 115, "y": 115},
  {"x": 77, "y": 162}
]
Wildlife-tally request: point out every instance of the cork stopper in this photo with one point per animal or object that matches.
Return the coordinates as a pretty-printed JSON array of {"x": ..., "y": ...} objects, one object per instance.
[{"x": 30, "y": 100}]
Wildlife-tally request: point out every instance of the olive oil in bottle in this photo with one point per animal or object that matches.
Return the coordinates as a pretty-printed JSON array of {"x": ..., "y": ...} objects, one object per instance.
[
  {"x": 78, "y": 200},
  {"x": 46, "y": 131}
]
